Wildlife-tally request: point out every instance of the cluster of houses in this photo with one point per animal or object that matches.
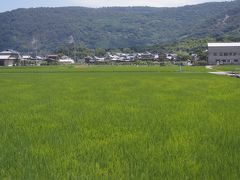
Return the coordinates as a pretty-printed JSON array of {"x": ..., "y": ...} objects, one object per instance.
[
  {"x": 13, "y": 58},
  {"x": 218, "y": 53},
  {"x": 146, "y": 56},
  {"x": 123, "y": 57}
]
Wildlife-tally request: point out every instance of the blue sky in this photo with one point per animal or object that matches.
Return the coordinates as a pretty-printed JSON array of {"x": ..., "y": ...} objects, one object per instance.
[{"x": 7, "y": 5}]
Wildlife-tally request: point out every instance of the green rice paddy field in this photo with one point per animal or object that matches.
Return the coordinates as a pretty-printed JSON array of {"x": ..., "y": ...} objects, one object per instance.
[{"x": 121, "y": 122}]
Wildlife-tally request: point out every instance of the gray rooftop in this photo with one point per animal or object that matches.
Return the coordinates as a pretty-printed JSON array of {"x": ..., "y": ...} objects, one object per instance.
[
  {"x": 232, "y": 44},
  {"x": 9, "y": 51}
]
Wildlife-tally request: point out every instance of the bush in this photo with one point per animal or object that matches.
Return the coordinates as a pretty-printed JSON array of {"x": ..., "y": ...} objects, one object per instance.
[{"x": 200, "y": 63}]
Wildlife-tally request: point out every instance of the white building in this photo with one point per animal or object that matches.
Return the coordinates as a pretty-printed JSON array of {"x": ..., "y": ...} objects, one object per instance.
[
  {"x": 223, "y": 53},
  {"x": 9, "y": 57},
  {"x": 66, "y": 60}
]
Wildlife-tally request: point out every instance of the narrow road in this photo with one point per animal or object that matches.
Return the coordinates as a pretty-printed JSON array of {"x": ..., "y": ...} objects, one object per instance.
[{"x": 223, "y": 73}]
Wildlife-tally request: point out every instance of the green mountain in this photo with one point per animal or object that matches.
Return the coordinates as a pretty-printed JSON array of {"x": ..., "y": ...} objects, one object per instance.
[{"x": 116, "y": 27}]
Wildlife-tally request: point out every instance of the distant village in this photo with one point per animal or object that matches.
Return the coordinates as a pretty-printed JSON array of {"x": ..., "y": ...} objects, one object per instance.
[
  {"x": 217, "y": 54},
  {"x": 11, "y": 57}
]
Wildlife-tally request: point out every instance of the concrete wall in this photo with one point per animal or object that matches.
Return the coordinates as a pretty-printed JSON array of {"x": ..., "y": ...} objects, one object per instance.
[
  {"x": 6, "y": 62},
  {"x": 223, "y": 55},
  {"x": 9, "y": 62}
]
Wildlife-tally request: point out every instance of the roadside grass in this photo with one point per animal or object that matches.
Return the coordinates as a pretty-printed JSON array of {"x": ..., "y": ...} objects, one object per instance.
[{"x": 118, "y": 123}]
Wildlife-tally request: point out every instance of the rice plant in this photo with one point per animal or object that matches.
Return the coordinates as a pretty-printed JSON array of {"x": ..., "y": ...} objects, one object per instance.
[{"x": 107, "y": 122}]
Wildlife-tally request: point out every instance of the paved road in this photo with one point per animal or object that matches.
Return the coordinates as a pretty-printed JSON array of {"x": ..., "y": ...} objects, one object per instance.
[{"x": 223, "y": 73}]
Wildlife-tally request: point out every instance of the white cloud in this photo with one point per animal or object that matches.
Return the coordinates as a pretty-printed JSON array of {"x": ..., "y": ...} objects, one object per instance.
[{"x": 154, "y": 3}]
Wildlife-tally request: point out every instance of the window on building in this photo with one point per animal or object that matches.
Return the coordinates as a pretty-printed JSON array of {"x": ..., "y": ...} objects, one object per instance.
[
  {"x": 221, "y": 54},
  {"x": 214, "y": 54},
  {"x": 224, "y": 60},
  {"x": 235, "y": 60},
  {"x": 230, "y": 54},
  {"x": 234, "y": 54},
  {"x": 225, "y": 54}
]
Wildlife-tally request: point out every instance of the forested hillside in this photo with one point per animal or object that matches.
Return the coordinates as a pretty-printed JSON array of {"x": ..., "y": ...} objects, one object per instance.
[{"x": 115, "y": 27}]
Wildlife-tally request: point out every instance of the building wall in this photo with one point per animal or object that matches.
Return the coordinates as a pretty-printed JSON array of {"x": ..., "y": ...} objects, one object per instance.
[
  {"x": 223, "y": 55},
  {"x": 6, "y": 62}
]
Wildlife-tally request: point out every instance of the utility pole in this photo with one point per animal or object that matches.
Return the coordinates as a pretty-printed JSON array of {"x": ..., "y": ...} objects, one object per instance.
[
  {"x": 36, "y": 49},
  {"x": 35, "y": 46},
  {"x": 75, "y": 57},
  {"x": 180, "y": 67},
  {"x": 72, "y": 41}
]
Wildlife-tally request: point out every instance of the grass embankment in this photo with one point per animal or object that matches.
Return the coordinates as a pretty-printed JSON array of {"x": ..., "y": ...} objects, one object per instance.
[{"x": 118, "y": 123}]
